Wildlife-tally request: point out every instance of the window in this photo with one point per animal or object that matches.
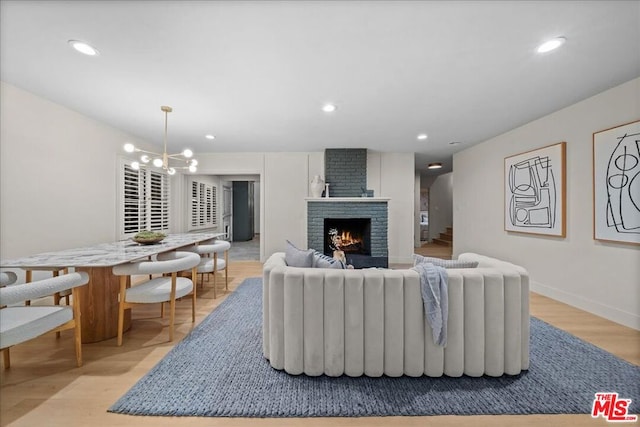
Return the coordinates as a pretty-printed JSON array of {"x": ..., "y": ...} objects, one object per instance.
[
  {"x": 144, "y": 200},
  {"x": 204, "y": 206}
]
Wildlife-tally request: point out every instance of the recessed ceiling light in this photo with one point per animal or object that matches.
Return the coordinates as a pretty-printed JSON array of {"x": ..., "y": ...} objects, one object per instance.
[
  {"x": 83, "y": 47},
  {"x": 551, "y": 44},
  {"x": 422, "y": 136},
  {"x": 437, "y": 165},
  {"x": 210, "y": 136},
  {"x": 329, "y": 108}
]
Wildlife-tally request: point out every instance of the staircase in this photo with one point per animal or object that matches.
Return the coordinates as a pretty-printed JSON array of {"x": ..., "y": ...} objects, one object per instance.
[{"x": 446, "y": 238}]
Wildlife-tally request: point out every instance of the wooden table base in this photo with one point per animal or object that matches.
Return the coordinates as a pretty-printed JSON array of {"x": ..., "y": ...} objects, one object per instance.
[{"x": 99, "y": 305}]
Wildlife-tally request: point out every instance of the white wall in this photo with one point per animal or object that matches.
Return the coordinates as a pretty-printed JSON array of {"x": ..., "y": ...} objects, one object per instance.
[
  {"x": 59, "y": 182},
  {"x": 57, "y": 176},
  {"x": 283, "y": 186},
  {"x": 440, "y": 205},
  {"x": 595, "y": 276},
  {"x": 416, "y": 211},
  {"x": 256, "y": 207},
  {"x": 284, "y": 194},
  {"x": 397, "y": 182}
]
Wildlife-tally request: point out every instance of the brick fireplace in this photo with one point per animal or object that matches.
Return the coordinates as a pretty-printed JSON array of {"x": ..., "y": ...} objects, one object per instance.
[
  {"x": 341, "y": 208},
  {"x": 347, "y": 213}
]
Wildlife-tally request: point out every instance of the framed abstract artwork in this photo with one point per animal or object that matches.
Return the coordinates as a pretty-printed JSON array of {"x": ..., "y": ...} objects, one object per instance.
[
  {"x": 535, "y": 191},
  {"x": 616, "y": 184}
]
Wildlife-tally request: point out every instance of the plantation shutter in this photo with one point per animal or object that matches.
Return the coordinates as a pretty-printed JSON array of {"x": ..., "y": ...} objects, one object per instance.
[
  {"x": 214, "y": 206},
  {"x": 145, "y": 200},
  {"x": 194, "y": 204},
  {"x": 203, "y": 206},
  {"x": 135, "y": 214},
  {"x": 158, "y": 201}
]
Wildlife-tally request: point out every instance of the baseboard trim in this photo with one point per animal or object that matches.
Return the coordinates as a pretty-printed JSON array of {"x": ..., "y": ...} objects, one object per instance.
[{"x": 611, "y": 313}]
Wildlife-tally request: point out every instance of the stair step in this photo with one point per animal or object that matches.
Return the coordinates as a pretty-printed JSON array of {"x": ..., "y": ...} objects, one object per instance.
[
  {"x": 446, "y": 236},
  {"x": 442, "y": 242}
]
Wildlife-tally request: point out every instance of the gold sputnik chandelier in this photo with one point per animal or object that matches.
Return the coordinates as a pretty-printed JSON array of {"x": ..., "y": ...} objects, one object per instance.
[{"x": 163, "y": 160}]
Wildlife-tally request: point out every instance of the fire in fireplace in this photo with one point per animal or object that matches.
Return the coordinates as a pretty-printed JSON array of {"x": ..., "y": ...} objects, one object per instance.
[{"x": 349, "y": 235}]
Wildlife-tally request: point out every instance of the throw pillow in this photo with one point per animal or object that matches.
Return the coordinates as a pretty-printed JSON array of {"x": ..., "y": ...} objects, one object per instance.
[
  {"x": 320, "y": 260},
  {"x": 295, "y": 257},
  {"x": 446, "y": 263}
]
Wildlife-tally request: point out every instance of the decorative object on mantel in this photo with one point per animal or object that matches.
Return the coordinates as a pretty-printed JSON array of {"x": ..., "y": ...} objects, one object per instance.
[
  {"x": 162, "y": 160},
  {"x": 317, "y": 185},
  {"x": 367, "y": 193},
  {"x": 326, "y": 190},
  {"x": 148, "y": 237}
]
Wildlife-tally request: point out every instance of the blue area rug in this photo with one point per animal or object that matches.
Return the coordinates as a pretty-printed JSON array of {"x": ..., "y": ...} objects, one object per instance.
[{"x": 218, "y": 371}]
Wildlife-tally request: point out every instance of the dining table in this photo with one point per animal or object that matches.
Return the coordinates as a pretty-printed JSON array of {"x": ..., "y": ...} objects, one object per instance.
[{"x": 99, "y": 298}]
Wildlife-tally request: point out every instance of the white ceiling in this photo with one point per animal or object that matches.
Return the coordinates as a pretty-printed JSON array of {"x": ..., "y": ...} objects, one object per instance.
[{"x": 256, "y": 73}]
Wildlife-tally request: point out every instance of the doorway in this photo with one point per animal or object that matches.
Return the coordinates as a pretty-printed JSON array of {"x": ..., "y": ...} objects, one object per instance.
[{"x": 243, "y": 211}]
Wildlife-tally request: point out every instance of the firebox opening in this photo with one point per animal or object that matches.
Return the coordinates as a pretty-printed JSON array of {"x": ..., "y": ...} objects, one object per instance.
[{"x": 350, "y": 235}]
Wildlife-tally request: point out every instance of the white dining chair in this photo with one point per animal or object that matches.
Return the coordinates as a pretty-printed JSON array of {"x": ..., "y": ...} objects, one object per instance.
[
  {"x": 214, "y": 257},
  {"x": 20, "y": 323},
  {"x": 159, "y": 289},
  {"x": 57, "y": 297},
  {"x": 7, "y": 278}
]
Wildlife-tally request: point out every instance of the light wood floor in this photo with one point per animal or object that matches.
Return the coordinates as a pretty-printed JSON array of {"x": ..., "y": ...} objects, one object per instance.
[
  {"x": 431, "y": 249},
  {"x": 44, "y": 388}
]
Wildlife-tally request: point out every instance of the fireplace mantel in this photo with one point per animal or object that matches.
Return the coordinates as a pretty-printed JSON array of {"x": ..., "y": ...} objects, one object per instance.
[{"x": 347, "y": 199}]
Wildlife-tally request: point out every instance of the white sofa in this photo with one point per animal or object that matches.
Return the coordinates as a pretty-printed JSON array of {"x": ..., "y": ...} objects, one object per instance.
[{"x": 371, "y": 322}]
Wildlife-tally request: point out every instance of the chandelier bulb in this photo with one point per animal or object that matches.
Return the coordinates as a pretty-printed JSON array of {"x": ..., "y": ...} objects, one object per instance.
[
  {"x": 171, "y": 171},
  {"x": 129, "y": 147},
  {"x": 135, "y": 165},
  {"x": 193, "y": 162},
  {"x": 145, "y": 159},
  {"x": 157, "y": 162},
  {"x": 187, "y": 153},
  {"x": 192, "y": 168}
]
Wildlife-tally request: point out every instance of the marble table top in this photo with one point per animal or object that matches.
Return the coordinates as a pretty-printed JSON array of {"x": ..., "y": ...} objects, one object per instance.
[{"x": 106, "y": 254}]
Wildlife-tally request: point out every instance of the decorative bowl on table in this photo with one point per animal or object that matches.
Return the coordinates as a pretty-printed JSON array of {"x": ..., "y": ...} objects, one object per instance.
[{"x": 148, "y": 237}]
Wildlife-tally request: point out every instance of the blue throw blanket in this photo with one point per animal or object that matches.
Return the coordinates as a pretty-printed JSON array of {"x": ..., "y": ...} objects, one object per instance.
[{"x": 433, "y": 283}]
